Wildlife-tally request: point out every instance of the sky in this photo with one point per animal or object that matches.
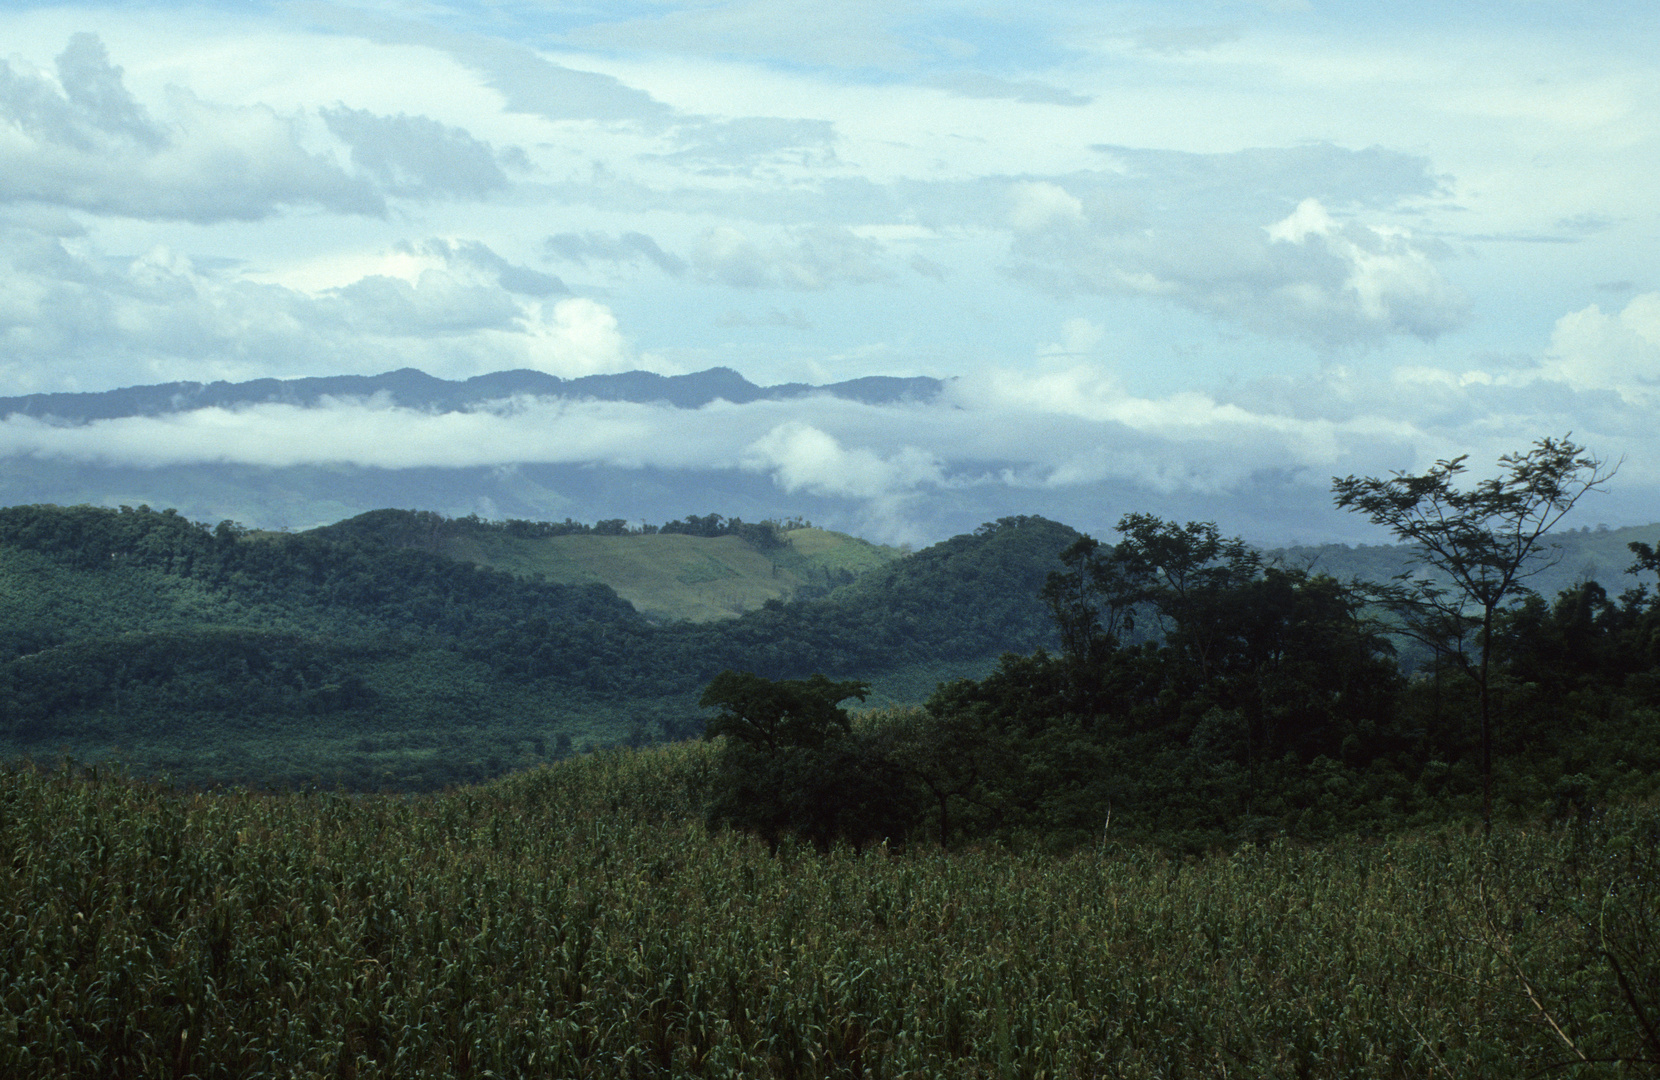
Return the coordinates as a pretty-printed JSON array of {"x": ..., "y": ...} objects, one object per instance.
[{"x": 1189, "y": 258}]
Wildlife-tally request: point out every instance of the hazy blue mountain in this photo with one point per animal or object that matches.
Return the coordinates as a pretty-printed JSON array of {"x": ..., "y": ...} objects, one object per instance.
[
  {"x": 302, "y": 496},
  {"x": 1567, "y": 558},
  {"x": 418, "y": 390}
]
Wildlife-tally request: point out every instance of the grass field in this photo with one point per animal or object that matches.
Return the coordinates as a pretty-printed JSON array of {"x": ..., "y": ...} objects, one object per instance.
[
  {"x": 673, "y": 576},
  {"x": 578, "y": 921}
]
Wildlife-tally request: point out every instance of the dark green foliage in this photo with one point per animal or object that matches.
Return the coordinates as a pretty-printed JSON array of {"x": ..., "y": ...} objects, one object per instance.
[
  {"x": 427, "y": 530},
  {"x": 1201, "y": 698},
  {"x": 771, "y": 716},
  {"x": 140, "y": 679},
  {"x": 792, "y": 765}
]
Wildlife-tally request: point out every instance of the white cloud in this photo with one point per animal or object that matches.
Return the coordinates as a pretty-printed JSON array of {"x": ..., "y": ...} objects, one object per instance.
[
  {"x": 581, "y": 248},
  {"x": 1079, "y": 337},
  {"x": 1309, "y": 219},
  {"x": 416, "y": 155},
  {"x": 1621, "y": 352},
  {"x": 84, "y": 142},
  {"x": 1071, "y": 441},
  {"x": 1390, "y": 283},
  {"x": 74, "y": 316},
  {"x": 1057, "y": 431},
  {"x": 1091, "y": 213},
  {"x": 800, "y": 456},
  {"x": 1207, "y": 232},
  {"x": 577, "y": 337}
]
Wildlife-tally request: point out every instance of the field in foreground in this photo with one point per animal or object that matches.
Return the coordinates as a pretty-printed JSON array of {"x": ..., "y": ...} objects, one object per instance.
[{"x": 577, "y": 920}]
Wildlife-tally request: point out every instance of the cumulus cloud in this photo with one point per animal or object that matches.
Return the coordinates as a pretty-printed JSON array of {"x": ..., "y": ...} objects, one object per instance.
[
  {"x": 577, "y": 337},
  {"x": 510, "y": 276},
  {"x": 1211, "y": 233},
  {"x": 800, "y": 456},
  {"x": 82, "y": 141},
  {"x": 73, "y": 316},
  {"x": 1593, "y": 350},
  {"x": 1038, "y": 204},
  {"x": 1388, "y": 281},
  {"x": 1079, "y": 337},
  {"x": 437, "y": 302},
  {"x": 91, "y": 108}
]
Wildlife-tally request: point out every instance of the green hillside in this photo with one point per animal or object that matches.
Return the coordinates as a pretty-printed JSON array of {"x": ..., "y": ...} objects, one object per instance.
[
  {"x": 719, "y": 571},
  {"x": 338, "y": 656},
  {"x": 671, "y": 577}
]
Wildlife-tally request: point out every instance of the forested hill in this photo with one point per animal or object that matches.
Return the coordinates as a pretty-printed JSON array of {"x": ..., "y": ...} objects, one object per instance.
[{"x": 221, "y": 654}]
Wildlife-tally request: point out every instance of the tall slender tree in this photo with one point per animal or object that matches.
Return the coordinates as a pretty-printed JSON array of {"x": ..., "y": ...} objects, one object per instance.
[{"x": 1482, "y": 544}]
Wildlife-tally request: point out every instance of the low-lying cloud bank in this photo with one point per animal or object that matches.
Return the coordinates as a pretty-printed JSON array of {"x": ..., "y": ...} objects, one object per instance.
[{"x": 993, "y": 438}]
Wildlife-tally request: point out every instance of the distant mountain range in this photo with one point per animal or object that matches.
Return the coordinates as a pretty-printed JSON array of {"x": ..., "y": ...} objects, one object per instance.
[
  {"x": 305, "y": 495},
  {"x": 414, "y": 389}
]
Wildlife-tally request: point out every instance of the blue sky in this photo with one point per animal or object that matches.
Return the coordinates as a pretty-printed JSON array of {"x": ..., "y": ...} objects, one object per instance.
[{"x": 1172, "y": 255}]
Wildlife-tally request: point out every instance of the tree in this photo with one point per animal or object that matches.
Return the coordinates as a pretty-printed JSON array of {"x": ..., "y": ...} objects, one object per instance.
[
  {"x": 1189, "y": 573},
  {"x": 949, "y": 755},
  {"x": 1178, "y": 573},
  {"x": 773, "y": 715},
  {"x": 1646, "y": 558},
  {"x": 1093, "y": 584},
  {"x": 791, "y": 763},
  {"x": 1483, "y": 540}
]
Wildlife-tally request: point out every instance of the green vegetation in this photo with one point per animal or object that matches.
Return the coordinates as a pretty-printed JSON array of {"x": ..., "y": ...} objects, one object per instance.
[
  {"x": 578, "y": 920},
  {"x": 351, "y": 655},
  {"x": 1196, "y": 820},
  {"x": 1201, "y": 698}
]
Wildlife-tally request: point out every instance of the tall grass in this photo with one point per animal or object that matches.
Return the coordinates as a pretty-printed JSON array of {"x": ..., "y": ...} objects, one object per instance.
[{"x": 578, "y": 921}]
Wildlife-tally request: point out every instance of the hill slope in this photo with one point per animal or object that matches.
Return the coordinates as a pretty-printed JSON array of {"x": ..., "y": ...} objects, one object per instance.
[
  {"x": 226, "y": 655},
  {"x": 668, "y": 576}
]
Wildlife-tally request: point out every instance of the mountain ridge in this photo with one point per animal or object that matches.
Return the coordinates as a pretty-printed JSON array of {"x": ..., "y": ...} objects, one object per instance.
[{"x": 412, "y": 388}]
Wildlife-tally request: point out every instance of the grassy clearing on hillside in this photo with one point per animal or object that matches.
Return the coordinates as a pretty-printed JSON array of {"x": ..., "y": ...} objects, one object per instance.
[
  {"x": 673, "y": 576},
  {"x": 578, "y": 921}
]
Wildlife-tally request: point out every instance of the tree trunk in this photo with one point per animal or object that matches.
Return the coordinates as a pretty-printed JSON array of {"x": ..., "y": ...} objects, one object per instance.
[{"x": 1486, "y": 727}]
